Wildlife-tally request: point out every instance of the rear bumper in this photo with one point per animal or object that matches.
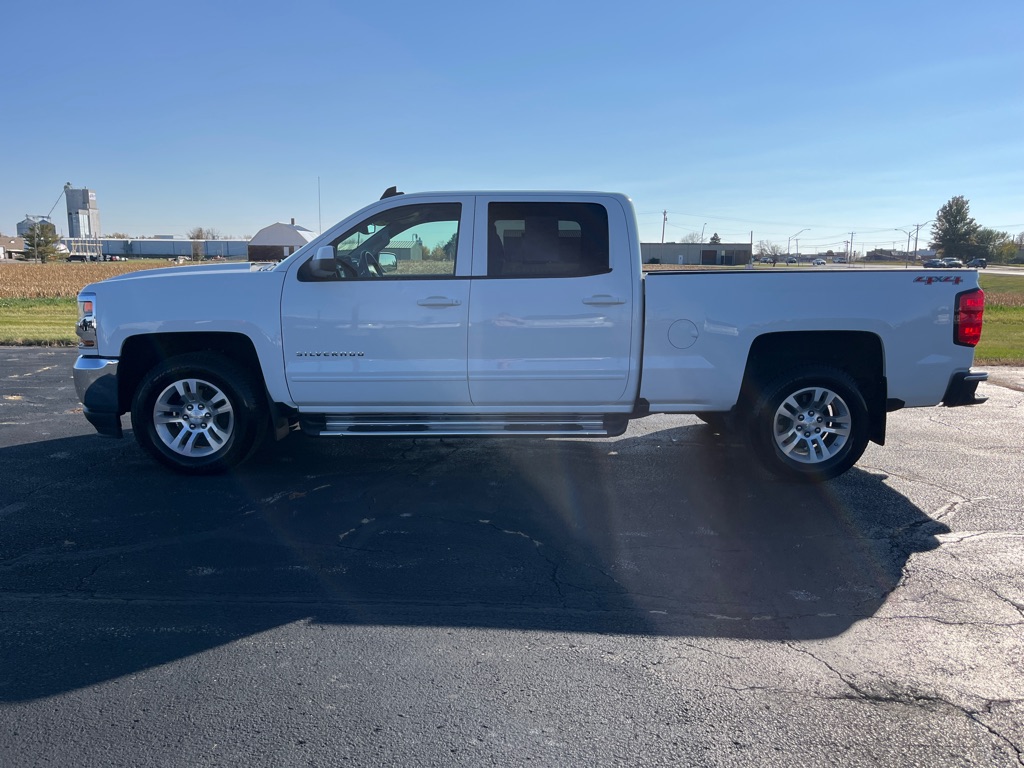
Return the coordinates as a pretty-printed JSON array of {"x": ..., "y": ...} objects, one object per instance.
[
  {"x": 962, "y": 388},
  {"x": 96, "y": 384}
]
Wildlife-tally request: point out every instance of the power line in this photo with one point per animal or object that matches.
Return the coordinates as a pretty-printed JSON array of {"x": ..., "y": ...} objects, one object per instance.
[{"x": 865, "y": 229}]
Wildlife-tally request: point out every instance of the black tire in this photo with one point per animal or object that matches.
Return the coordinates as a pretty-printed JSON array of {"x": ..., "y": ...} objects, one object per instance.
[
  {"x": 198, "y": 414},
  {"x": 811, "y": 424}
]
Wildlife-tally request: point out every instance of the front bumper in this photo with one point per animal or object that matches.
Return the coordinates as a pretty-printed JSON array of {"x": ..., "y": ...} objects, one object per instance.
[
  {"x": 96, "y": 384},
  {"x": 962, "y": 388}
]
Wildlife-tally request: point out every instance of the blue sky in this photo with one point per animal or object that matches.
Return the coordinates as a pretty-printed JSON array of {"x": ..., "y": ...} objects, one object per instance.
[{"x": 861, "y": 117}]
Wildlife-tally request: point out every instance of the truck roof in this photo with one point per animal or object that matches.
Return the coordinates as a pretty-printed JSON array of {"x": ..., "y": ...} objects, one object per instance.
[{"x": 514, "y": 193}]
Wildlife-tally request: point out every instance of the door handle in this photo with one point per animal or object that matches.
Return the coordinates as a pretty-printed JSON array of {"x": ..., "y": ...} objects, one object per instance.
[
  {"x": 438, "y": 301},
  {"x": 603, "y": 300}
]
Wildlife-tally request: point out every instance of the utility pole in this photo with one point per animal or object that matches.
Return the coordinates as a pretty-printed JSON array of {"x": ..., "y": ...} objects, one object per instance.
[
  {"x": 849, "y": 259},
  {"x": 664, "y": 221},
  {"x": 794, "y": 237},
  {"x": 908, "y": 233},
  {"x": 917, "y": 230}
]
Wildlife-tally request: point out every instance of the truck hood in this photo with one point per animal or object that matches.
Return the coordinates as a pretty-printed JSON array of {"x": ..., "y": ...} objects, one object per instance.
[{"x": 199, "y": 269}]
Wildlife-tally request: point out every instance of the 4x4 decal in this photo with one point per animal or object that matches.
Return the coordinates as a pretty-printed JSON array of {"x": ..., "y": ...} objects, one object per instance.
[{"x": 955, "y": 280}]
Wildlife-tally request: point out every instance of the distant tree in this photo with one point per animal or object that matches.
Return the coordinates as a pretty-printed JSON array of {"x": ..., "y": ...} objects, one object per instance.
[
  {"x": 41, "y": 241},
  {"x": 451, "y": 247},
  {"x": 715, "y": 239},
  {"x": 197, "y": 235},
  {"x": 769, "y": 249},
  {"x": 955, "y": 231},
  {"x": 1005, "y": 252},
  {"x": 692, "y": 237},
  {"x": 994, "y": 245},
  {"x": 118, "y": 236}
]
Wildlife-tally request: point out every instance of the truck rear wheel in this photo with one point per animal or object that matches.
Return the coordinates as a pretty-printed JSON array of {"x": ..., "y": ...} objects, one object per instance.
[
  {"x": 198, "y": 414},
  {"x": 812, "y": 424}
]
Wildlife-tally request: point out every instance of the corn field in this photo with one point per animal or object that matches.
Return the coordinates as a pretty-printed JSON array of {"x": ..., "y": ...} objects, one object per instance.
[{"x": 60, "y": 280}]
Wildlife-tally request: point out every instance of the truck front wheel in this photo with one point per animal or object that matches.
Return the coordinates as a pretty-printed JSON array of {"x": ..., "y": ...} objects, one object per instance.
[
  {"x": 811, "y": 424},
  {"x": 198, "y": 414}
]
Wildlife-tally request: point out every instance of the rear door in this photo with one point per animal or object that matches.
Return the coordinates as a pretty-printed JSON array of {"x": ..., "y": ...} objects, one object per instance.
[{"x": 550, "y": 321}]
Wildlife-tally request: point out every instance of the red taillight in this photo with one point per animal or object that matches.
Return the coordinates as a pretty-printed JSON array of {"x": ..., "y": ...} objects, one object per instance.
[{"x": 970, "y": 308}]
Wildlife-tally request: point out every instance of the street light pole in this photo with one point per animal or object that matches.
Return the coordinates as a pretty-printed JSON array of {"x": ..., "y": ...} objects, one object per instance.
[
  {"x": 794, "y": 237},
  {"x": 916, "y": 231},
  {"x": 907, "y": 233}
]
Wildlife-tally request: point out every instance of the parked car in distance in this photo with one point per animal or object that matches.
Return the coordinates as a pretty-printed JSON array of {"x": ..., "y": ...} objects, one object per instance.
[
  {"x": 818, "y": 263},
  {"x": 952, "y": 263},
  {"x": 978, "y": 263},
  {"x": 839, "y": 260},
  {"x": 933, "y": 264},
  {"x": 767, "y": 260},
  {"x": 791, "y": 260}
]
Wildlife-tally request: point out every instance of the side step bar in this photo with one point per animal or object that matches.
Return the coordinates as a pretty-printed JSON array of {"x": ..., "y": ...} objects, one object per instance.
[{"x": 457, "y": 425}]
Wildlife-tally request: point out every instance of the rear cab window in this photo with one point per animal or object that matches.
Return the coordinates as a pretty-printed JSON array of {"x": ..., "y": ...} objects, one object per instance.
[{"x": 547, "y": 239}]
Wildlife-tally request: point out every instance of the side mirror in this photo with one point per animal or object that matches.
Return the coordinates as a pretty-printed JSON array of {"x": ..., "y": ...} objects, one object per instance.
[
  {"x": 388, "y": 261},
  {"x": 323, "y": 263}
]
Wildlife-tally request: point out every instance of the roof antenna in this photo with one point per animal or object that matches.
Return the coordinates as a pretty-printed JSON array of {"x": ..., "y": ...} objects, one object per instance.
[{"x": 390, "y": 192}]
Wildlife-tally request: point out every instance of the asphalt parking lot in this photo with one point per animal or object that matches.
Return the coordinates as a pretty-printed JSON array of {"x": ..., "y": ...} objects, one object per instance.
[{"x": 651, "y": 599}]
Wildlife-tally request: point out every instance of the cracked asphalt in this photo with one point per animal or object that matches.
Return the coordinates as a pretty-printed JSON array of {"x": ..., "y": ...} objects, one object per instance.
[{"x": 651, "y": 599}]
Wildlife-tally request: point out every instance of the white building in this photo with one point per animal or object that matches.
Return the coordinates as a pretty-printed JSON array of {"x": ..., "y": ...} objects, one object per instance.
[
  {"x": 706, "y": 254},
  {"x": 278, "y": 241},
  {"x": 11, "y": 246}
]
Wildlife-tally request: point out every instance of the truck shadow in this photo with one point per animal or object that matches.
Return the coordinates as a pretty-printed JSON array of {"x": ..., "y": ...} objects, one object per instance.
[{"x": 116, "y": 566}]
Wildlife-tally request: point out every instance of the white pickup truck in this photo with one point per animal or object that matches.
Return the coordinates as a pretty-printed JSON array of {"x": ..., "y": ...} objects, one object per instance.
[{"x": 503, "y": 313}]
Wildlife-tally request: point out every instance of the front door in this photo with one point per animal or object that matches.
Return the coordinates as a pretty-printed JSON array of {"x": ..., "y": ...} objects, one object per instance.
[{"x": 386, "y": 327}]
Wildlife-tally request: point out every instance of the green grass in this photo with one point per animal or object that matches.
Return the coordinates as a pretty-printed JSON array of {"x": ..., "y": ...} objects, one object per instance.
[
  {"x": 1002, "y": 337},
  {"x": 38, "y": 322},
  {"x": 51, "y": 322},
  {"x": 1003, "y": 290}
]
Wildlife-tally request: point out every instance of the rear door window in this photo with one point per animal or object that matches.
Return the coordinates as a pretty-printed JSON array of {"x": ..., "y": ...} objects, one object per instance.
[{"x": 547, "y": 239}]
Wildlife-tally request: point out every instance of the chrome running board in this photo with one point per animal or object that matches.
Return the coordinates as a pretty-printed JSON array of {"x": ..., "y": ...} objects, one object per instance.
[{"x": 458, "y": 425}]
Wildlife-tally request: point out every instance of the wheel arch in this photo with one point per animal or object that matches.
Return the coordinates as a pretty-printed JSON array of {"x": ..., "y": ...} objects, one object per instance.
[
  {"x": 139, "y": 354},
  {"x": 859, "y": 354}
]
